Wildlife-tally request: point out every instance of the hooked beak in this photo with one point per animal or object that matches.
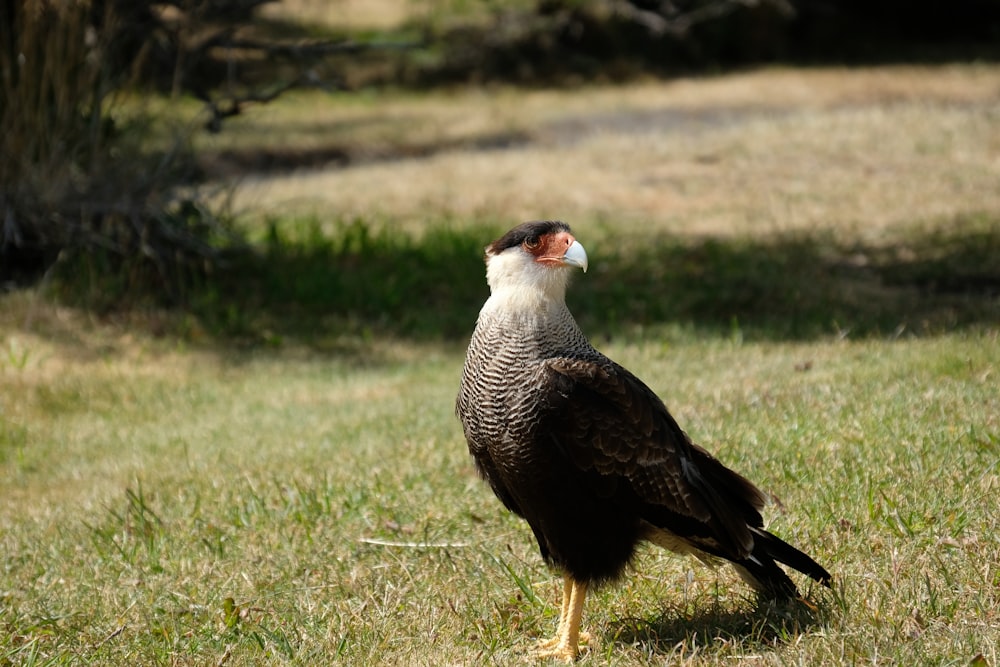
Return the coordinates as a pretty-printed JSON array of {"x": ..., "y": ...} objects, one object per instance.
[{"x": 575, "y": 256}]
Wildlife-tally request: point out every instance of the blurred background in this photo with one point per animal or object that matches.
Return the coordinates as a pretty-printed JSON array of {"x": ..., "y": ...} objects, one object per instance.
[
  {"x": 241, "y": 254},
  {"x": 265, "y": 170}
]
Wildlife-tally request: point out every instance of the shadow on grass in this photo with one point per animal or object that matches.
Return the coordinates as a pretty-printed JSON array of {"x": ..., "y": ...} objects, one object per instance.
[
  {"x": 334, "y": 290},
  {"x": 237, "y": 162},
  {"x": 763, "y": 627}
]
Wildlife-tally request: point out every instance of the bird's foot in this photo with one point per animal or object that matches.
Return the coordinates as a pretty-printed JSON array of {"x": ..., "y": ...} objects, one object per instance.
[
  {"x": 565, "y": 653},
  {"x": 549, "y": 644},
  {"x": 559, "y": 649}
]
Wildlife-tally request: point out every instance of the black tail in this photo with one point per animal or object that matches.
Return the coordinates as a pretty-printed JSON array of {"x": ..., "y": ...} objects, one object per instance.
[{"x": 761, "y": 570}]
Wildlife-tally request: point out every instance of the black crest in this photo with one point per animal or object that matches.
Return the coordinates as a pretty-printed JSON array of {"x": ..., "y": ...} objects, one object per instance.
[{"x": 524, "y": 232}]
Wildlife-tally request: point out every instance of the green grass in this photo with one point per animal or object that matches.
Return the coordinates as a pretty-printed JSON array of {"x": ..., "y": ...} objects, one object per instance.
[
  {"x": 274, "y": 475},
  {"x": 336, "y": 287},
  {"x": 365, "y": 280},
  {"x": 181, "y": 507}
]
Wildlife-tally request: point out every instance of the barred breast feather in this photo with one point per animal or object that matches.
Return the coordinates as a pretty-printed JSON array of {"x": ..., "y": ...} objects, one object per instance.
[{"x": 584, "y": 451}]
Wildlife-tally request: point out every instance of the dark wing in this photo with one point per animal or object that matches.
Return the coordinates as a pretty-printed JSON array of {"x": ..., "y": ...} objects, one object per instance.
[{"x": 608, "y": 422}]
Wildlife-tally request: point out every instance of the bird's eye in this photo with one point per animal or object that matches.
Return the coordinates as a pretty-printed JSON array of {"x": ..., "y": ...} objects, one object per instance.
[{"x": 531, "y": 242}]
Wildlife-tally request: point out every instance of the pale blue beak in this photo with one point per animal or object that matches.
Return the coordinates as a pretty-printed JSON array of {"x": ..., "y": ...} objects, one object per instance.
[{"x": 576, "y": 256}]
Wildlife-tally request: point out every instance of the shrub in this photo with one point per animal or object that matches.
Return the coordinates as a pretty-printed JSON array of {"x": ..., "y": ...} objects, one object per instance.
[{"x": 75, "y": 184}]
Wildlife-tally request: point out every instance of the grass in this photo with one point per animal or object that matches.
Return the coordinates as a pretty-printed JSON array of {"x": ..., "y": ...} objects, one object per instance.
[
  {"x": 858, "y": 152},
  {"x": 373, "y": 14},
  {"x": 337, "y": 290},
  {"x": 275, "y": 476},
  {"x": 172, "y": 506}
]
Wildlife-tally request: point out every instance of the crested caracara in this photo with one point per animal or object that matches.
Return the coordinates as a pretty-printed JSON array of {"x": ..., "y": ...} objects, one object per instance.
[{"x": 585, "y": 452}]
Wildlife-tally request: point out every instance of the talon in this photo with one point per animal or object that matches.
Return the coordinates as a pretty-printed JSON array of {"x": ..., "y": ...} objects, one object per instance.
[
  {"x": 550, "y": 644},
  {"x": 554, "y": 650}
]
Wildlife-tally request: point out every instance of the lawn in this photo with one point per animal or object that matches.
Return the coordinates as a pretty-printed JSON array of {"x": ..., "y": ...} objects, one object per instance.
[{"x": 802, "y": 263}]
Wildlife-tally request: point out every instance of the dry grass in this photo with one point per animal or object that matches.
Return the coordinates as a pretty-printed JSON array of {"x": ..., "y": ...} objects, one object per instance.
[
  {"x": 347, "y": 14},
  {"x": 371, "y": 14},
  {"x": 773, "y": 150},
  {"x": 173, "y": 501},
  {"x": 164, "y": 506}
]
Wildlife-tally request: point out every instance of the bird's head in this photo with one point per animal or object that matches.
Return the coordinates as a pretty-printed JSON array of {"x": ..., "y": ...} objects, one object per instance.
[{"x": 534, "y": 257}]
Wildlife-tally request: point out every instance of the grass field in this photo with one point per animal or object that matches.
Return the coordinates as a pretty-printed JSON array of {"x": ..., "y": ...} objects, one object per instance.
[
  {"x": 803, "y": 264},
  {"x": 858, "y": 152}
]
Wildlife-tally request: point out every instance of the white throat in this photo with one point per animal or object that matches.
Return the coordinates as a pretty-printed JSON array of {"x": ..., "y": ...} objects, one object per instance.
[{"x": 520, "y": 285}]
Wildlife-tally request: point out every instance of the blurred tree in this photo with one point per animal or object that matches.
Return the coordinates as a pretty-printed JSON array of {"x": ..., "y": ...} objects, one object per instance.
[
  {"x": 78, "y": 183},
  {"x": 564, "y": 40}
]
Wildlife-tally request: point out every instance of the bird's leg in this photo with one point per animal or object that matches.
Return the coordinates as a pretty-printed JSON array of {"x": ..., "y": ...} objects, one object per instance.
[
  {"x": 566, "y": 644},
  {"x": 563, "y": 614}
]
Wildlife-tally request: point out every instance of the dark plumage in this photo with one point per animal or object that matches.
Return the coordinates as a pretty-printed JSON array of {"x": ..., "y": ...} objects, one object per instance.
[{"x": 584, "y": 451}]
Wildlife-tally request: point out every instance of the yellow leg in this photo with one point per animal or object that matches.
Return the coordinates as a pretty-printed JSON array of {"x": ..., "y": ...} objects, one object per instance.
[
  {"x": 563, "y": 614},
  {"x": 566, "y": 644}
]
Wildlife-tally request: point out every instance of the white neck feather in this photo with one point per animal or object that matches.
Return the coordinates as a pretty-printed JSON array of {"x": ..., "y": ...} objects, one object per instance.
[{"x": 518, "y": 284}]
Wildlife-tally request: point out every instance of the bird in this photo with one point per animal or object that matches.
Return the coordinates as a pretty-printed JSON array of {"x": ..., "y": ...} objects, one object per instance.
[{"x": 586, "y": 453}]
